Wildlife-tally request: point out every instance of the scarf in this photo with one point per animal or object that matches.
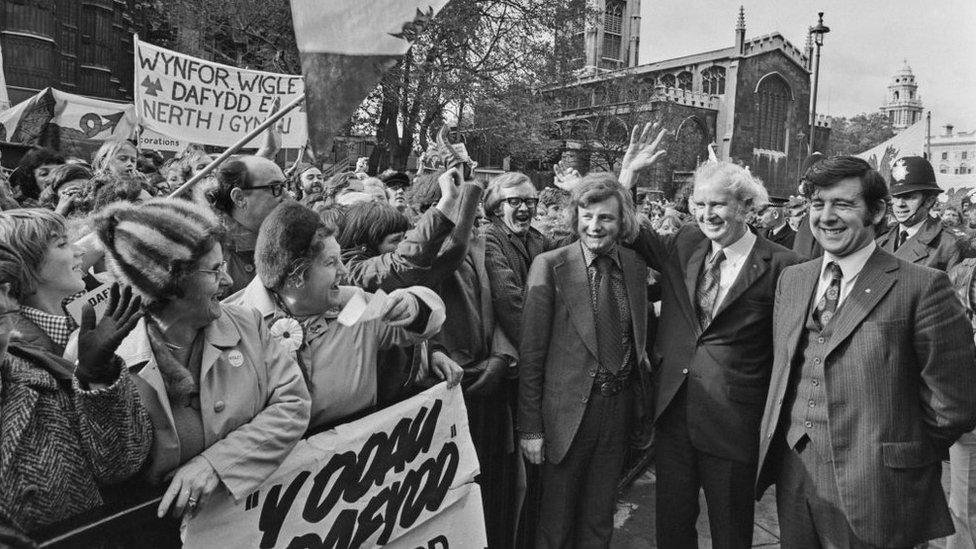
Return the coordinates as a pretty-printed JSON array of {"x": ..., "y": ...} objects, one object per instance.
[{"x": 176, "y": 377}]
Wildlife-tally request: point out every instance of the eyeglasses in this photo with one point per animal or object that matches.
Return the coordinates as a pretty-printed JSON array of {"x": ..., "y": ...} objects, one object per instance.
[
  {"x": 276, "y": 188},
  {"x": 517, "y": 201},
  {"x": 222, "y": 269}
]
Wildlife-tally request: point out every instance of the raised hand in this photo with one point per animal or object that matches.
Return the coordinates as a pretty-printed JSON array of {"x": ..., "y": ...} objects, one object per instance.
[
  {"x": 642, "y": 152},
  {"x": 566, "y": 178},
  {"x": 97, "y": 344}
]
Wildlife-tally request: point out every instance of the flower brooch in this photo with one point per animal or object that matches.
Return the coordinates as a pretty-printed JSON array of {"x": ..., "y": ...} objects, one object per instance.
[{"x": 289, "y": 333}]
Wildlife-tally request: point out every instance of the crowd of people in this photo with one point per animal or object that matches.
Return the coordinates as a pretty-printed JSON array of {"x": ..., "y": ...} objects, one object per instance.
[{"x": 812, "y": 341}]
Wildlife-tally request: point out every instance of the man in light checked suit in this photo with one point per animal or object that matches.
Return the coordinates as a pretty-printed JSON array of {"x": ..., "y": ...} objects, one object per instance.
[{"x": 873, "y": 379}]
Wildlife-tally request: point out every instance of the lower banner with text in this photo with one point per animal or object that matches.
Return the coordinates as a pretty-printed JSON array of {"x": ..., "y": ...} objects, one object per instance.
[{"x": 401, "y": 477}]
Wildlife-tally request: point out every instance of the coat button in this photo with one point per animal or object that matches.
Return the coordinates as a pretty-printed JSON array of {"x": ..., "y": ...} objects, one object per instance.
[
  {"x": 685, "y": 371},
  {"x": 808, "y": 424},
  {"x": 248, "y": 268},
  {"x": 821, "y": 339},
  {"x": 219, "y": 406},
  {"x": 585, "y": 400},
  {"x": 816, "y": 360}
]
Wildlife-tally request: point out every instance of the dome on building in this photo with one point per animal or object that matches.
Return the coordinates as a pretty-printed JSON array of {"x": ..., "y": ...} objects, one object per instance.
[{"x": 904, "y": 75}]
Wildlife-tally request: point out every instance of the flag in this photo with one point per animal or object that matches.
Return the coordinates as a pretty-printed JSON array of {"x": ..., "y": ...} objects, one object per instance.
[
  {"x": 345, "y": 47},
  {"x": 74, "y": 124}
]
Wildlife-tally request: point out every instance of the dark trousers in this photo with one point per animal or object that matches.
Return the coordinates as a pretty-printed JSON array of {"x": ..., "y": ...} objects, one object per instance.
[
  {"x": 579, "y": 493},
  {"x": 808, "y": 503},
  {"x": 683, "y": 471}
]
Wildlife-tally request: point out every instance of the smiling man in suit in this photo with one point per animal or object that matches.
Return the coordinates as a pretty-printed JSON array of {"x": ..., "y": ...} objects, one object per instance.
[
  {"x": 873, "y": 380},
  {"x": 582, "y": 357},
  {"x": 715, "y": 340}
]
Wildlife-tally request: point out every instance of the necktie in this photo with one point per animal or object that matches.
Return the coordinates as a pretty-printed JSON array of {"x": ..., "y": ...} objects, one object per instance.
[
  {"x": 902, "y": 237},
  {"x": 608, "y": 330},
  {"x": 708, "y": 285},
  {"x": 827, "y": 305}
]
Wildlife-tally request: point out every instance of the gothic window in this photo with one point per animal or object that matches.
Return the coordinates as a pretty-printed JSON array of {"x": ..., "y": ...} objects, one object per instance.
[
  {"x": 684, "y": 80},
  {"x": 667, "y": 80},
  {"x": 773, "y": 99},
  {"x": 713, "y": 80},
  {"x": 896, "y": 96},
  {"x": 613, "y": 19}
]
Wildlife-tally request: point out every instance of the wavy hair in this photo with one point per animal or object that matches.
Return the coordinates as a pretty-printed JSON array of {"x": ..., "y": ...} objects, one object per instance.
[{"x": 598, "y": 187}]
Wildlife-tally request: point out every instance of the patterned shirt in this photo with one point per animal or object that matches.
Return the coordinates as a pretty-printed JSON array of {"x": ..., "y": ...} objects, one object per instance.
[
  {"x": 620, "y": 296},
  {"x": 57, "y": 327}
]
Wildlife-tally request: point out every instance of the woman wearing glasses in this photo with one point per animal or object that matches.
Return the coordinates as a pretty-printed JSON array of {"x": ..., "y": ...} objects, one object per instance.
[
  {"x": 228, "y": 403},
  {"x": 249, "y": 187},
  {"x": 67, "y": 431}
]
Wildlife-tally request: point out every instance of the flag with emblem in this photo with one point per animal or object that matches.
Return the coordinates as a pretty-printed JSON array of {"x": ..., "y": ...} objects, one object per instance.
[{"x": 345, "y": 47}]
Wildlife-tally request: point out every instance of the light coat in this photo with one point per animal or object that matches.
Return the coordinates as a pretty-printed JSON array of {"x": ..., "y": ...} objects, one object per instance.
[{"x": 253, "y": 400}]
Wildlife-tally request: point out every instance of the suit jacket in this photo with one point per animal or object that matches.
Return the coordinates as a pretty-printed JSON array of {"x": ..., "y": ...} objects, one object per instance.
[
  {"x": 899, "y": 378},
  {"x": 784, "y": 237},
  {"x": 804, "y": 244},
  {"x": 932, "y": 246},
  {"x": 559, "y": 352},
  {"x": 727, "y": 366}
]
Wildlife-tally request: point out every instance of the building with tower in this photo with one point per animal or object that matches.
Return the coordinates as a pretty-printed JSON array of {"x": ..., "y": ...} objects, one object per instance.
[
  {"x": 903, "y": 105},
  {"x": 751, "y": 100}
]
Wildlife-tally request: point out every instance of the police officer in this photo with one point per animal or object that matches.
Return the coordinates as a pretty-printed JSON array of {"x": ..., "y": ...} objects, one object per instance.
[{"x": 917, "y": 237}]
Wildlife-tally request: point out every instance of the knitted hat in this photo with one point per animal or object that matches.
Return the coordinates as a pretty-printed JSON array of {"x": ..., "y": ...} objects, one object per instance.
[
  {"x": 146, "y": 246},
  {"x": 286, "y": 235}
]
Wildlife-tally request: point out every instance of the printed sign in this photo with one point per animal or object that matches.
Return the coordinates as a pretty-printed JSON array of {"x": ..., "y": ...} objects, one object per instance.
[
  {"x": 190, "y": 99},
  {"x": 97, "y": 298},
  {"x": 402, "y": 477}
]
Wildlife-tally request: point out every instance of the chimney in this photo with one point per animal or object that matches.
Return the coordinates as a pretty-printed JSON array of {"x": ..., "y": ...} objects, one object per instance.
[
  {"x": 740, "y": 31},
  {"x": 948, "y": 130}
]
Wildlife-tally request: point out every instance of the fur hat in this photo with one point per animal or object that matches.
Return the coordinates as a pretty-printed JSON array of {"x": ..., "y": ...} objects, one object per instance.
[
  {"x": 286, "y": 234},
  {"x": 148, "y": 246}
]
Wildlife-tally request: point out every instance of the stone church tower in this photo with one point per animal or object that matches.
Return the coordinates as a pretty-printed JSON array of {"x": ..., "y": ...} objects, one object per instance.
[
  {"x": 612, "y": 35},
  {"x": 903, "y": 105}
]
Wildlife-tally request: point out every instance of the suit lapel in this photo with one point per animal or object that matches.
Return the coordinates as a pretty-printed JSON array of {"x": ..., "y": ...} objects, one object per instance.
[
  {"x": 871, "y": 286},
  {"x": 797, "y": 309},
  {"x": 575, "y": 286},
  {"x": 637, "y": 295},
  {"x": 756, "y": 263}
]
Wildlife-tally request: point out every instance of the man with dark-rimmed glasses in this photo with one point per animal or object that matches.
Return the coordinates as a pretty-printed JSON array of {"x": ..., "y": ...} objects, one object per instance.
[{"x": 249, "y": 187}]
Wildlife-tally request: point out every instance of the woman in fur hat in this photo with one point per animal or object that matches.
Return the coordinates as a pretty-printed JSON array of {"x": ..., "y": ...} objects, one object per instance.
[
  {"x": 66, "y": 431},
  {"x": 227, "y": 401}
]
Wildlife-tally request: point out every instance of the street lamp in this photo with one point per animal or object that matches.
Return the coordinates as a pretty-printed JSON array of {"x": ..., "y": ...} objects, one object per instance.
[{"x": 818, "y": 33}]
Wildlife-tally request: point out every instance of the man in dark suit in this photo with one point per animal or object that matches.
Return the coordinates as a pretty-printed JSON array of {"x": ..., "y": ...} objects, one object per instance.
[
  {"x": 775, "y": 224},
  {"x": 873, "y": 379},
  {"x": 582, "y": 355},
  {"x": 715, "y": 337},
  {"x": 918, "y": 237}
]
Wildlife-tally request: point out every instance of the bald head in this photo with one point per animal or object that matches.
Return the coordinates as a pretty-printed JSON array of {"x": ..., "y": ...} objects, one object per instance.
[{"x": 249, "y": 188}]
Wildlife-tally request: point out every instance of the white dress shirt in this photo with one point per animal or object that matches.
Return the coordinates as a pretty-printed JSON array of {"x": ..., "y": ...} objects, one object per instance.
[
  {"x": 850, "y": 267},
  {"x": 911, "y": 230},
  {"x": 735, "y": 258}
]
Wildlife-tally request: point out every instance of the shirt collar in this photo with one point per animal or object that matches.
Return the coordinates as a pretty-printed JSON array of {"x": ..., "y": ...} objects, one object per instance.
[
  {"x": 850, "y": 265},
  {"x": 589, "y": 256},
  {"x": 739, "y": 249},
  {"x": 57, "y": 327}
]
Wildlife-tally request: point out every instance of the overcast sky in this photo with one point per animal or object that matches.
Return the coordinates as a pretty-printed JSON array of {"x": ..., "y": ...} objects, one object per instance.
[{"x": 867, "y": 43}]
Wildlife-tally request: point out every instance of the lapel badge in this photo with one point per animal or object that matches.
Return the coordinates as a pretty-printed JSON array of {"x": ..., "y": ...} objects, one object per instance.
[{"x": 867, "y": 290}]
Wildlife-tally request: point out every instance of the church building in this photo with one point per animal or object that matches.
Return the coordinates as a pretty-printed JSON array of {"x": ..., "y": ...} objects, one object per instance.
[{"x": 751, "y": 100}]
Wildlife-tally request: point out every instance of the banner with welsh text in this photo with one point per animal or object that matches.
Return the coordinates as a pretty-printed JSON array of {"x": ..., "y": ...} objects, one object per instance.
[
  {"x": 401, "y": 477},
  {"x": 198, "y": 101}
]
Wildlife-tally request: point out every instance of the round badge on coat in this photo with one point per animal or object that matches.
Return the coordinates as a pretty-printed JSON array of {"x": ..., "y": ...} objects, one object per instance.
[{"x": 236, "y": 358}]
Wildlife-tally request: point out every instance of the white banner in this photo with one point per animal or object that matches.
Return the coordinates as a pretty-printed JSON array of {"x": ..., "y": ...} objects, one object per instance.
[
  {"x": 402, "y": 477},
  {"x": 77, "y": 117},
  {"x": 190, "y": 99}
]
